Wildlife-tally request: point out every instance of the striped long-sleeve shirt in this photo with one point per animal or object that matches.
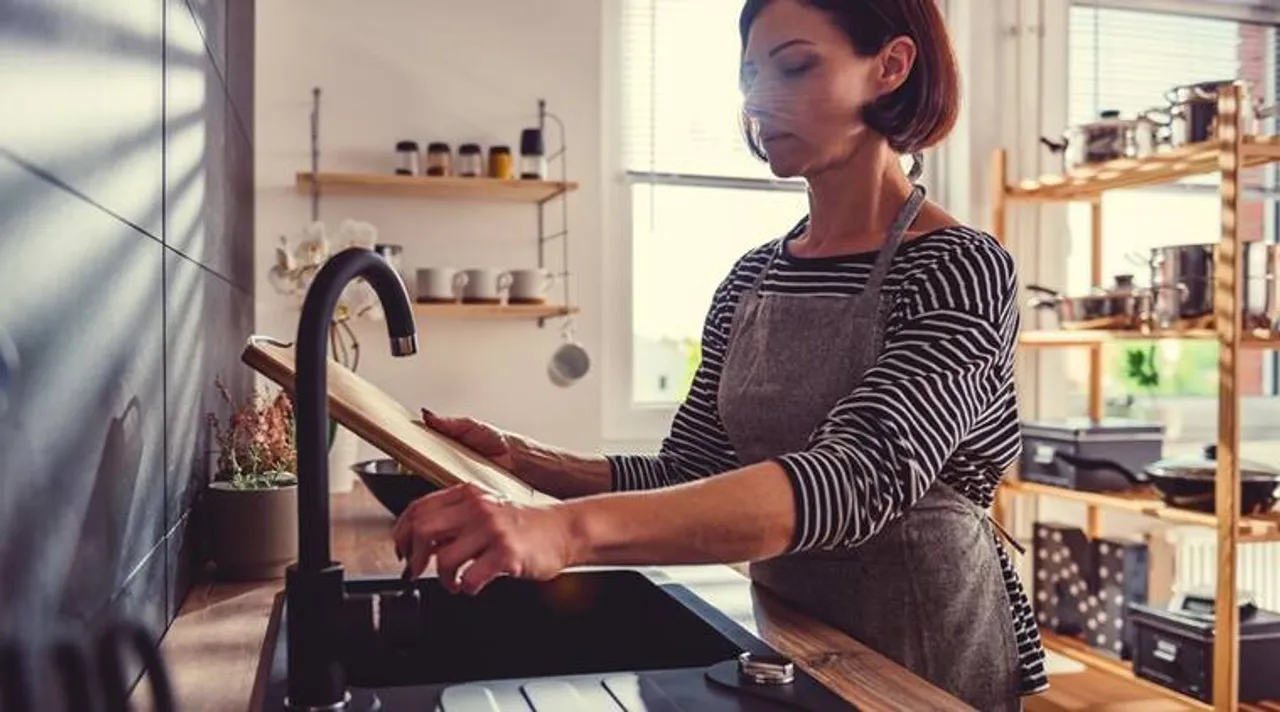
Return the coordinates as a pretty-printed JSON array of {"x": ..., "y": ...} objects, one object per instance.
[{"x": 939, "y": 402}]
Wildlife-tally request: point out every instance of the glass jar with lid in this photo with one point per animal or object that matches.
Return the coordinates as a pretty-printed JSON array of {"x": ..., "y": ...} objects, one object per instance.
[
  {"x": 439, "y": 159},
  {"x": 470, "y": 161}
]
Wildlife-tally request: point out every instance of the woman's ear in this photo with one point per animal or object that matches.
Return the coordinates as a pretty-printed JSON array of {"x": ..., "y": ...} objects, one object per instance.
[{"x": 896, "y": 59}]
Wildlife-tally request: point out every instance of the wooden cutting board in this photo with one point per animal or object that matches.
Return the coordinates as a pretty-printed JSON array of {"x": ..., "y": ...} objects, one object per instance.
[{"x": 372, "y": 414}]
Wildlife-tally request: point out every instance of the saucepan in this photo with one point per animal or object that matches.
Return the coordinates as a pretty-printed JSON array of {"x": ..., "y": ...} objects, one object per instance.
[
  {"x": 1188, "y": 482},
  {"x": 1109, "y": 138},
  {"x": 1183, "y": 275},
  {"x": 1193, "y": 109},
  {"x": 1121, "y": 306}
]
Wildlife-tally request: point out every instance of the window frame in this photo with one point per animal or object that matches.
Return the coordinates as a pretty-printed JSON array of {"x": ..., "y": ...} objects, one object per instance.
[{"x": 628, "y": 425}]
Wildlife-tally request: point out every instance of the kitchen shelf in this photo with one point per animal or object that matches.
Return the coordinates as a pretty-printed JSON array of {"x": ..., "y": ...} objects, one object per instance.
[
  {"x": 1231, "y": 151},
  {"x": 493, "y": 311},
  {"x": 1090, "y": 182},
  {"x": 1080, "y": 652},
  {"x": 433, "y": 187},
  {"x": 1264, "y": 527},
  {"x": 1096, "y": 337}
]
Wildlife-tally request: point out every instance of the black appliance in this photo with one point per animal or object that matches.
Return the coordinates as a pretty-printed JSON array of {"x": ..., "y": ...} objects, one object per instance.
[
  {"x": 1175, "y": 647},
  {"x": 1052, "y": 451},
  {"x": 387, "y": 644}
]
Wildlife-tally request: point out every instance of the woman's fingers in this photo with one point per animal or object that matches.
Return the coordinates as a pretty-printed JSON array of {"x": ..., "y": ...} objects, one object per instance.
[
  {"x": 457, "y": 552},
  {"x": 432, "y": 517},
  {"x": 497, "y": 560}
]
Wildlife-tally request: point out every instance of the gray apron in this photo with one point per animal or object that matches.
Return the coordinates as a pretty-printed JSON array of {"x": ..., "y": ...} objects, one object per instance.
[{"x": 926, "y": 591}]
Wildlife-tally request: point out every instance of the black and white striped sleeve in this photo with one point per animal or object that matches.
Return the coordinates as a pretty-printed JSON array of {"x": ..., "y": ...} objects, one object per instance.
[
  {"x": 697, "y": 445},
  {"x": 942, "y": 366}
]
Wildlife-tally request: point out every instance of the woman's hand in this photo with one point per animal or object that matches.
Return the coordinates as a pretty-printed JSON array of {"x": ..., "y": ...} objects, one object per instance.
[
  {"x": 485, "y": 439},
  {"x": 464, "y": 525},
  {"x": 559, "y": 473}
]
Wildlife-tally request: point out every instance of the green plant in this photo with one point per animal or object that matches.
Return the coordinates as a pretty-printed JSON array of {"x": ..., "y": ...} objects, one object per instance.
[
  {"x": 1140, "y": 367},
  {"x": 258, "y": 448}
]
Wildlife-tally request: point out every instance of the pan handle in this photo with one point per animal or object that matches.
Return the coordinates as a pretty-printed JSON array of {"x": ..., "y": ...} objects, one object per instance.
[{"x": 1088, "y": 463}]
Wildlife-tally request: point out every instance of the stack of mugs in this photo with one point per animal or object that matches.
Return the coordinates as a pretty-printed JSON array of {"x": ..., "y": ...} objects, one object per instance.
[{"x": 481, "y": 285}]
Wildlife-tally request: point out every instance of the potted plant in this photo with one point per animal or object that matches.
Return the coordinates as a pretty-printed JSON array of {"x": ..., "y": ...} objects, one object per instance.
[{"x": 253, "y": 498}]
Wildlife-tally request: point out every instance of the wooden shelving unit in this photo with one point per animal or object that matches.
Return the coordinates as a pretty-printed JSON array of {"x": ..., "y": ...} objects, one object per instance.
[
  {"x": 435, "y": 188},
  {"x": 493, "y": 311},
  {"x": 1230, "y": 153}
]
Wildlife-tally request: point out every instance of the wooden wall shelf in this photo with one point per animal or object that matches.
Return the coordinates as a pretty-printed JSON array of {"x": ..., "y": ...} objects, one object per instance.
[
  {"x": 437, "y": 188},
  {"x": 1265, "y": 527},
  {"x": 1067, "y": 337},
  {"x": 493, "y": 311},
  {"x": 1089, "y": 183}
]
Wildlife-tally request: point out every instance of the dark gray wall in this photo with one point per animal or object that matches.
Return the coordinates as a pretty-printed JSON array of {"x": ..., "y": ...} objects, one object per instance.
[{"x": 126, "y": 286}]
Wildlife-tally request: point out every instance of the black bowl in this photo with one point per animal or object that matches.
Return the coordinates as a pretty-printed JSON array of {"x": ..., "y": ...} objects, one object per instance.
[{"x": 392, "y": 485}]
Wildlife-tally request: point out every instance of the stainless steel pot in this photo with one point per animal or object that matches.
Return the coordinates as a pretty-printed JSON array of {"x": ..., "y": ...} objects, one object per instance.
[
  {"x": 1103, "y": 140},
  {"x": 1193, "y": 110},
  {"x": 1182, "y": 276},
  {"x": 1111, "y": 137},
  {"x": 1121, "y": 306}
]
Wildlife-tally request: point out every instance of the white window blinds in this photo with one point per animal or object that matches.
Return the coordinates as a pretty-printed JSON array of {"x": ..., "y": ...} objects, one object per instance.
[
  {"x": 1126, "y": 59},
  {"x": 681, "y": 100}
]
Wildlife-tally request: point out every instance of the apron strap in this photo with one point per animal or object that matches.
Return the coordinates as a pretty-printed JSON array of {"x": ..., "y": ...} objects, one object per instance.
[{"x": 906, "y": 216}]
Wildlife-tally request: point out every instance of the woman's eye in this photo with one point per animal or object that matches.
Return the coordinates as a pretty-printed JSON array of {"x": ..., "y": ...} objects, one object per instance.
[{"x": 796, "y": 70}]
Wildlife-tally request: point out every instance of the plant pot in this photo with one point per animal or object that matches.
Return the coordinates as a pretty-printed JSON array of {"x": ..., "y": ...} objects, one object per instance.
[{"x": 253, "y": 532}]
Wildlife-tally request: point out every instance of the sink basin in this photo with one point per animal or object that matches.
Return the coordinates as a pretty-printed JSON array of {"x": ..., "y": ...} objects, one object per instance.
[
  {"x": 598, "y": 629},
  {"x": 582, "y": 622}
]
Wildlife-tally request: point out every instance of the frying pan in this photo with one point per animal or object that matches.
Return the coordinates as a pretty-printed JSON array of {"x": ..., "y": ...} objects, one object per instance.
[{"x": 1189, "y": 482}]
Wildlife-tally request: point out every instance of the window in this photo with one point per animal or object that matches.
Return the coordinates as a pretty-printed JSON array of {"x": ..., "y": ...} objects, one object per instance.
[
  {"x": 698, "y": 198},
  {"x": 1125, "y": 60}
]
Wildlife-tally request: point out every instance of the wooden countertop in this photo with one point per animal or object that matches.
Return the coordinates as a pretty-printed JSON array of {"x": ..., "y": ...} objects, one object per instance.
[{"x": 212, "y": 648}]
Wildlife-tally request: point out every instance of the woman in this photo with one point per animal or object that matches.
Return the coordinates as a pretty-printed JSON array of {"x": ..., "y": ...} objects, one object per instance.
[{"x": 855, "y": 407}]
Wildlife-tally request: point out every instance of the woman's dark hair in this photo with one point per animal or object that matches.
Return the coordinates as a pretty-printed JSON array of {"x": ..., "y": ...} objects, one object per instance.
[{"x": 922, "y": 111}]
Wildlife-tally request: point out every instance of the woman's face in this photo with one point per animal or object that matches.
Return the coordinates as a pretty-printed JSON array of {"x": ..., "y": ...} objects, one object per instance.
[{"x": 806, "y": 86}]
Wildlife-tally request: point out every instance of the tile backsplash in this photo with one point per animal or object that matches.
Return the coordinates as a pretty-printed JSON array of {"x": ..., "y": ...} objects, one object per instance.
[{"x": 126, "y": 287}]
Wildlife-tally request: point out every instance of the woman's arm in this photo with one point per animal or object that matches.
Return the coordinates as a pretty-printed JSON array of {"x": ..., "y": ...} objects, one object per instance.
[{"x": 877, "y": 452}]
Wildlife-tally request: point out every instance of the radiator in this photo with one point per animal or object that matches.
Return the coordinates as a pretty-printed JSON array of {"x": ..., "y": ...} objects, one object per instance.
[{"x": 1257, "y": 565}]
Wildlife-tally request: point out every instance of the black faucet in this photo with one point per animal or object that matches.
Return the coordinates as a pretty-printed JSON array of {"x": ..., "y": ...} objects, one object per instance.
[{"x": 314, "y": 585}]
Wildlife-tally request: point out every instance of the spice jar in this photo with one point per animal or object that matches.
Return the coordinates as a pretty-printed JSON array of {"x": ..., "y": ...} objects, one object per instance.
[
  {"x": 470, "y": 161},
  {"x": 439, "y": 159},
  {"x": 501, "y": 164},
  {"x": 533, "y": 164},
  {"x": 407, "y": 157}
]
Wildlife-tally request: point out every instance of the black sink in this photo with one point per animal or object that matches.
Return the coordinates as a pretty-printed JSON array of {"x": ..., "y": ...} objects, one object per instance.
[{"x": 583, "y": 628}]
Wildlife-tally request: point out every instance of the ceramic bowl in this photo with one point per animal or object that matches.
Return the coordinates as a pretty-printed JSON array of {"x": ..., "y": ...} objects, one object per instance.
[{"x": 392, "y": 485}]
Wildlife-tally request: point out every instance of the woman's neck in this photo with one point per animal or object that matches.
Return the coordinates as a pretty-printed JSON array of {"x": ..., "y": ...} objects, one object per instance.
[{"x": 853, "y": 204}]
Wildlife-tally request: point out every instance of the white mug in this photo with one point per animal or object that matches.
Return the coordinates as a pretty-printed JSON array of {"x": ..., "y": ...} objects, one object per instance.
[
  {"x": 569, "y": 363},
  {"x": 530, "y": 286},
  {"x": 485, "y": 285},
  {"x": 440, "y": 284}
]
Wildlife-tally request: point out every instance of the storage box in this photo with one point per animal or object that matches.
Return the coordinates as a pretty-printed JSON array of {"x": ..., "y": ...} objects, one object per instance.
[
  {"x": 1133, "y": 444},
  {"x": 1120, "y": 579},
  {"x": 1063, "y": 567},
  {"x": 1175, "y": 650}
]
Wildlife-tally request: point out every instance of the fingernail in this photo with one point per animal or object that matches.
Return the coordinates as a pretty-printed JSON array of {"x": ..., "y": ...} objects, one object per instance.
[{"x": 427, "y": 413}]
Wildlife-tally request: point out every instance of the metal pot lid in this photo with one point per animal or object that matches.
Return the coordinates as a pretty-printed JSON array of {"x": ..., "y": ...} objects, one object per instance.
[{"x": 1205, "y": 467}]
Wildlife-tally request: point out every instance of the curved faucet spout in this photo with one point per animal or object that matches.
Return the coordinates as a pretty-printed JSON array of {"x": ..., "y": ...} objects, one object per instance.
[{"x": 311, "y": 386}]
